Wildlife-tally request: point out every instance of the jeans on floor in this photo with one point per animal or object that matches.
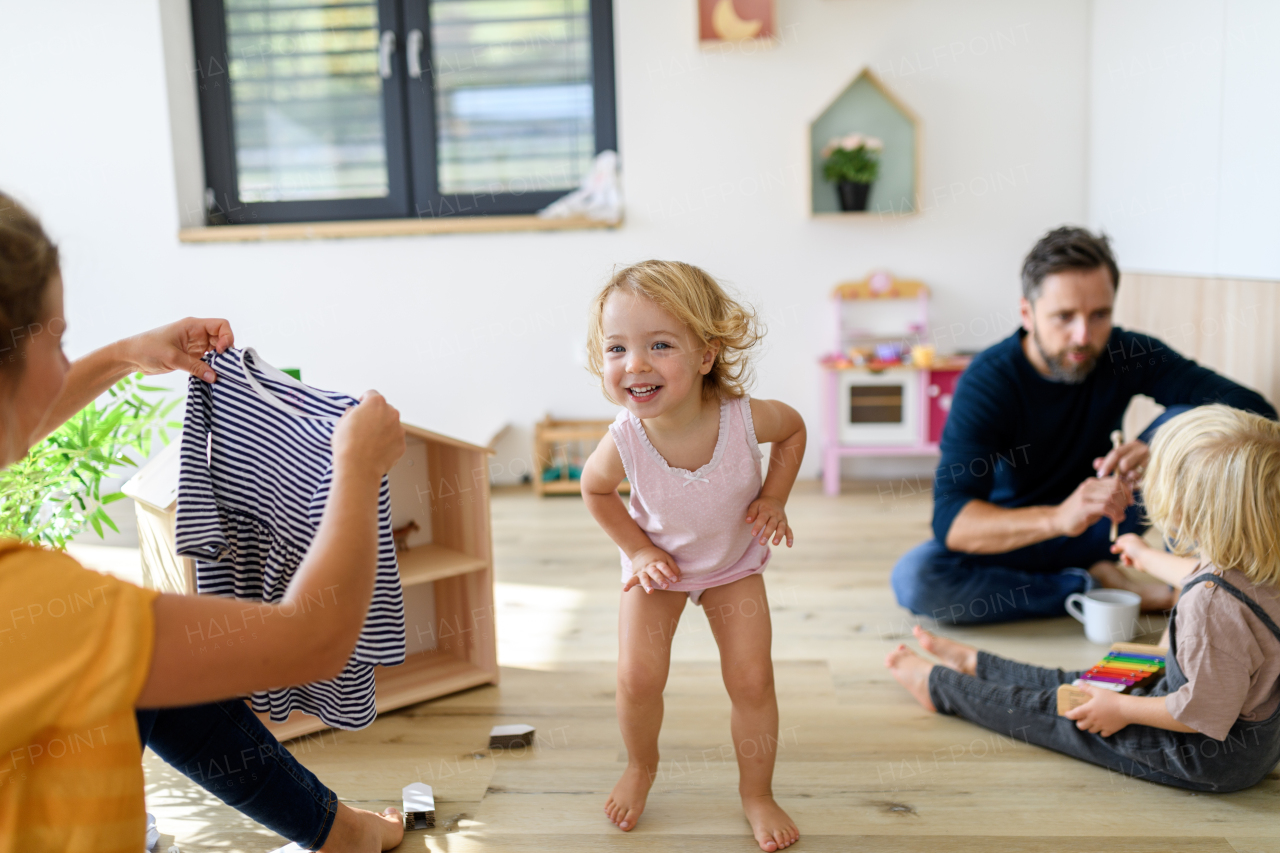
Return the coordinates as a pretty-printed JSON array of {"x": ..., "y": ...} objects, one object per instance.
[
  {"x": 1027, "y": 583},
  {"x": 1020, "y": 701},
  {"x": 1031, "y": 582},
  {"x": 225, "y": 749}
]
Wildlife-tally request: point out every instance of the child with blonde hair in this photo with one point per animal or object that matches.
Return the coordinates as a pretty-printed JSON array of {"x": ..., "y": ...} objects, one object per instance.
[
  {"x": 1212, "y": 723},
  {"x": 672, "y": 348}
]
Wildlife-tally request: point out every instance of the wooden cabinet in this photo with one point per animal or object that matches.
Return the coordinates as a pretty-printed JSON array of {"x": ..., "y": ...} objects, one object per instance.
[
  {"x": 560, "y": 449},
  {"x": 442, "y": 486}
]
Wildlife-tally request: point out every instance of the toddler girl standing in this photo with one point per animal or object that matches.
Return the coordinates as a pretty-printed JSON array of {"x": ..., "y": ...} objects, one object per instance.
[{"x": 671, "y": 347}]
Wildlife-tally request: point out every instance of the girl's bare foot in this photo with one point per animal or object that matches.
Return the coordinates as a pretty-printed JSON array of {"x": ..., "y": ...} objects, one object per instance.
[
  {"x": 626, "y": 803},
  {"x": 361, "y": 831},
  {"x": 1156, "y": 596},
  {"x": 912, "y": 672},
  {"x": 773, "y": 829},
  {"x": 958, "y": 656}
]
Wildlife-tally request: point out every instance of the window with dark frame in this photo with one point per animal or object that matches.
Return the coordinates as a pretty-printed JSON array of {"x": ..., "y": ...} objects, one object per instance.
[{"x": 379, "y": 109}]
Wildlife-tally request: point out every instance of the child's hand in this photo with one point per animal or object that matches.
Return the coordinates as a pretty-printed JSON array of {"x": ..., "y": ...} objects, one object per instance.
[
  {"x": 1132, "y": 550},
  {"x": 768, "y": 517},
  {"x": 652, "y": 568},
  {"x": 1103, "y": 714}
]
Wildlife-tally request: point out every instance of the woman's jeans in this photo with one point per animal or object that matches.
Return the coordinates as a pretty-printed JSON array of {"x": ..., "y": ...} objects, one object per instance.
[{"x": 225, "y": 749}]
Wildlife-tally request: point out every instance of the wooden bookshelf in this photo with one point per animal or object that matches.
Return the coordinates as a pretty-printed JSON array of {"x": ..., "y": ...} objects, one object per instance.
[
  {"x": 422, "y": 676},
  {"x": 441, "y": 484},
  {"x": 562, "y": 447},
  {"x": 431, "y": 562}
]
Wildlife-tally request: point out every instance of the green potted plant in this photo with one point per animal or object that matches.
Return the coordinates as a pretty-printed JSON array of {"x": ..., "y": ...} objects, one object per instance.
[
  {"x": 852, "y": 163},
  {"x": 55, "y": 491}
]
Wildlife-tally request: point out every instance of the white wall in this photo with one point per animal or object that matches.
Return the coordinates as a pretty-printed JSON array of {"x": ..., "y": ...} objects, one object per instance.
[
  {"x": 466, "y": 332},
  {"x": 1185, "y": 122}
]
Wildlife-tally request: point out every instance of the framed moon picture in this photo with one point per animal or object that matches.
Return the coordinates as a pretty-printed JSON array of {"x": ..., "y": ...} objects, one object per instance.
[{"x": 735, "y": 20}]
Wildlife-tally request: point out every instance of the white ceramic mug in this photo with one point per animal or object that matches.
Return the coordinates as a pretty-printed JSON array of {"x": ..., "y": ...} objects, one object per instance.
[{"x": 1109, "y": 615}]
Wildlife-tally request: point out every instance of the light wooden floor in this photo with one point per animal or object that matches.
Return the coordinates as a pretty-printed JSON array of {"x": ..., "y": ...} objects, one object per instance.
[{"x": 861, "y": 766}]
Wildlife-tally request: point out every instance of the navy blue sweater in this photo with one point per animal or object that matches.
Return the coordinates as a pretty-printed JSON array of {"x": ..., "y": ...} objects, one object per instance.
[{"x": 1015, "y": 438}]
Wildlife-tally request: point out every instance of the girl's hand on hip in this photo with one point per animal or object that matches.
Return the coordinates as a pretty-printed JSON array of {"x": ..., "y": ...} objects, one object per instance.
[
  {"x": 1103, "y": 714},
  {"x": 652, "y": 568},
  {"x": 768, "y": 517}
]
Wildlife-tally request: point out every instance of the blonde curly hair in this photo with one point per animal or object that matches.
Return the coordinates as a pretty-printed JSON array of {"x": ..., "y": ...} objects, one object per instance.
[
  {"x": 1212, "y": 488},
  {"x": 699, "y": 302}
]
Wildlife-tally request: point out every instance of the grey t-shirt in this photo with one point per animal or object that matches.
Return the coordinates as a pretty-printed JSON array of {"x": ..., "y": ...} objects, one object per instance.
[{"x": 1231, "y": 659}]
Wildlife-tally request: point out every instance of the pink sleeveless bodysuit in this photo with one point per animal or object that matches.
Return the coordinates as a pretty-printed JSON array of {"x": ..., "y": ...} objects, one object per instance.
[{"x": 698, "y": 517}]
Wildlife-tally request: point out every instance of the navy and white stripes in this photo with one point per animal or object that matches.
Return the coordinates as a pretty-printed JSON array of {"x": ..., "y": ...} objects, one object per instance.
[{"x": 255, "y": 475}]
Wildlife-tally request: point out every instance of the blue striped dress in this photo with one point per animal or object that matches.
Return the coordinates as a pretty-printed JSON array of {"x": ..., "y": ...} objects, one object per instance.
[{"x": 255, "y": 476}]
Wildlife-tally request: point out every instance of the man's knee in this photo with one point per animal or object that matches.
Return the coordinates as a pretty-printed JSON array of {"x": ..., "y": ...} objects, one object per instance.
[{"x": 915, "y": 579}]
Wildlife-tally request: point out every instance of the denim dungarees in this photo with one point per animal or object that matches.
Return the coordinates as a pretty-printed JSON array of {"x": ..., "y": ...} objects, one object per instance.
[
  {"x": 1250, "y": 750},
  {"x": 1020, "y": 700}
]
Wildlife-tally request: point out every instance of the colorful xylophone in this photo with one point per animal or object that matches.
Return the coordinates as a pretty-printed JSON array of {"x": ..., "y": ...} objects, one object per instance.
[{"x": 1126, "y": 666}]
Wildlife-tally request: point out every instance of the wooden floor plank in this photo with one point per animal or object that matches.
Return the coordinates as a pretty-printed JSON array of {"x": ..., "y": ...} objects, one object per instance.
[{"x": 1267, "y": 844}]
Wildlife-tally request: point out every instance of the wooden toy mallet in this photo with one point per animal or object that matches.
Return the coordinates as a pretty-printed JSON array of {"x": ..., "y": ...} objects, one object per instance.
[{"x": 1116, "y": 438}]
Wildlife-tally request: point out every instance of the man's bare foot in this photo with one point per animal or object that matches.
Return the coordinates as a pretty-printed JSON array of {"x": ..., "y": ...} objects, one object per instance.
[
  {"x": 1156, "y": 596},
  {"x": 626, "y": 803},
  {"x": 773, "y": 829},
  {"x": 361, "y": 831},
  {"x": 958, "y": 656},
  {"x": 912, "y": 672}
]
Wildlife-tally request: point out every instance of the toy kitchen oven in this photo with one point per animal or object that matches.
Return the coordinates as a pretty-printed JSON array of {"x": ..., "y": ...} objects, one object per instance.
[{"x": 885, "y": 393}]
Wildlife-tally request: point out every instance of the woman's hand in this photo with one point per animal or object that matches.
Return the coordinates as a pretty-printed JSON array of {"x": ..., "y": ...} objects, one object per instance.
[
  {"x": 1133, "y": 551},
  {"x": 369, "y": 436},
  {"x": 178, "y": 346},
  {"x": 1103, "y": 714},
  {"x": 768, "y": 517},
  {"x": 652, "y": 568}
]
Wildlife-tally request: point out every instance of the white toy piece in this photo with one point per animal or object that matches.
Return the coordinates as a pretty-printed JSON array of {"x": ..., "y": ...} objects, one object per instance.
[
  {"x": 505, "y": 737},
  {"x": 419, "y": 805}
]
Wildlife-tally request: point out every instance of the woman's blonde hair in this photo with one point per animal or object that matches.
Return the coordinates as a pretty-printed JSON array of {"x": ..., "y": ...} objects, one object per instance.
[
  {"x": 1212, "y": 488},
  {"x": 697, "y": 300}
]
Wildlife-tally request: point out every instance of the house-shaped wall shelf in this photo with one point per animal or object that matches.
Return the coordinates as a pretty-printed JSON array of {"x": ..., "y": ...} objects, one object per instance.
[{"x": 867, "y": 106}]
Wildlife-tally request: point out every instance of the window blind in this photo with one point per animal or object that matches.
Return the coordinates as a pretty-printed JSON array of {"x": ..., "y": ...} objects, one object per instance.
[
  {"x": 306, "y": 96},
  {"x": 514, "y": 98}
]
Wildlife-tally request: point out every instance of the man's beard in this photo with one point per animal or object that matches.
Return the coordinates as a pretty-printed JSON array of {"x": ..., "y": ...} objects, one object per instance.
[{"x": 1062, "y": 370}]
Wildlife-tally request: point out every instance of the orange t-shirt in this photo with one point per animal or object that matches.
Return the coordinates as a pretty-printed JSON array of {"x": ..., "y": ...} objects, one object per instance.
[{"x": 75, "y": 649}]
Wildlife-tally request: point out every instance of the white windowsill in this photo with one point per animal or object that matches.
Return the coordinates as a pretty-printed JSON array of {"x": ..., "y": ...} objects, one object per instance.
[{"x": 383, "y": 228}]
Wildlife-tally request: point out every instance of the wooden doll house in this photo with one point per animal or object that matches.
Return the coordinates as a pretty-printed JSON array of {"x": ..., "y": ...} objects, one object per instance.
[
  {"x": 885, "y": 393},
  {"x": 440, "y": 500}
]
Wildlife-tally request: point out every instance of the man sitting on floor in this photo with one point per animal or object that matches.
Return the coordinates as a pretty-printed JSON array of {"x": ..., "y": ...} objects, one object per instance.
[{"x": 1028, "y": 484}]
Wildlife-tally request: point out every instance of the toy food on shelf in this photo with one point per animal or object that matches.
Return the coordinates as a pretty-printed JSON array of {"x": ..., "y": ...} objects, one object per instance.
[{"x": 922, "y": 356}]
